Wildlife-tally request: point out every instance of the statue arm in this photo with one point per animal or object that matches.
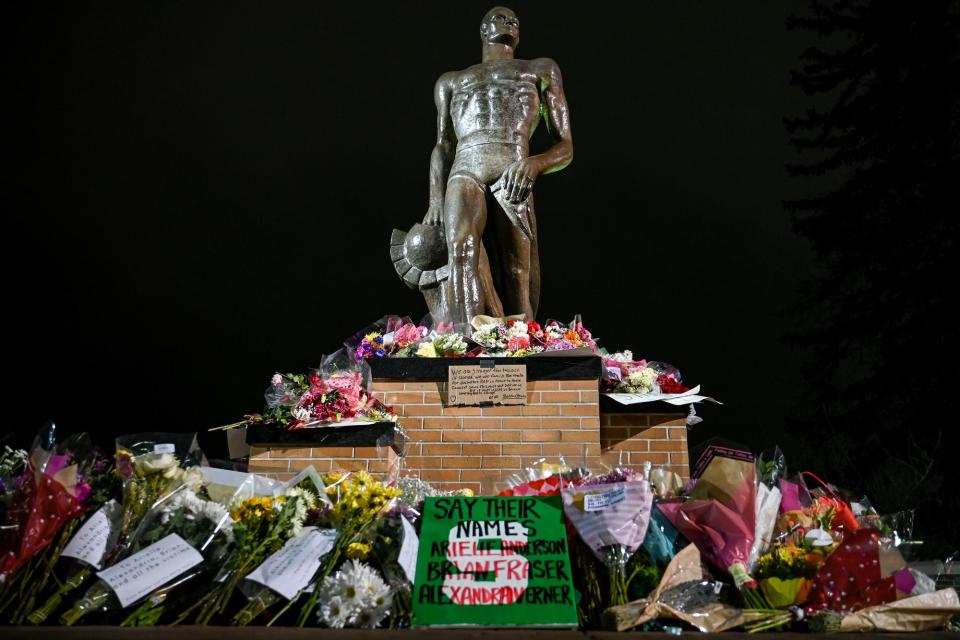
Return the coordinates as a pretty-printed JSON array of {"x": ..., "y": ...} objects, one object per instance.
[
  {"x": 557, "y": 117},
  {"x": 443, "y": 151},
  {"x": 519, "y": 177}
]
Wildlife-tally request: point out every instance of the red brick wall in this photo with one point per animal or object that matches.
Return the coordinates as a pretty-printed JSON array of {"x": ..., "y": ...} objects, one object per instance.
[
  {"x": 284, "y": 461},
  {"x": 479, "y": 447},
  {"x": 635, "y": 438}
]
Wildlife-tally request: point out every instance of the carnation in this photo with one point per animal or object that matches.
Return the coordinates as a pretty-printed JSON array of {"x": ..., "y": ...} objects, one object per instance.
[{"x": 519, "y": 342}]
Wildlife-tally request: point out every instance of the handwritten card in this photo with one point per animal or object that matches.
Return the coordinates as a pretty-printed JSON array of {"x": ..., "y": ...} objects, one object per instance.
[
  {"x": 149, "y": 568},
  {"x": 502, "y": 384},
  {"x": 408, "y": 551},
  {"x": 91, "y": 541},
  {"x": 289, "y": 570}
]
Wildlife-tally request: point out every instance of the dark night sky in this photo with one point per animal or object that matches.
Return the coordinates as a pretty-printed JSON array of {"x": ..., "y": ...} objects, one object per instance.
[{"x": 199, "y": 194}]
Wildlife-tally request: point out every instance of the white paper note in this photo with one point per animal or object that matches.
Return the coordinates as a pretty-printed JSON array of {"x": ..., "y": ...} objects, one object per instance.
[
  {"x": 290, "y": 569},
  {"x": 687, "y": 397},
  {"x": 149, "y": 568},
  {"x": 90, "y": 542},
  {"x": 165, "y": 447},
  {"x": 408, "y": 550},
  {"x": 598, "y": 501}
]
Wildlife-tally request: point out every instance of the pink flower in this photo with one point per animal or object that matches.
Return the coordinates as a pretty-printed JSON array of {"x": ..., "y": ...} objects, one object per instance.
[
  {"x": 276, "y": 379},
  {"x": 519, "y": 342},
  {"x": 407, "y": 334}
]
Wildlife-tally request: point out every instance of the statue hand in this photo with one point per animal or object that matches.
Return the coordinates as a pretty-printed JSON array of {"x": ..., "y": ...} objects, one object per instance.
[
  {"x": 434, "y": 215},
  {"x": 518, "y": 179}
]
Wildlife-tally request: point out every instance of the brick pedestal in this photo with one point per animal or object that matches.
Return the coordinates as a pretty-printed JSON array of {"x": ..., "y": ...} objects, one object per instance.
[{"x": 480, "y": 447}]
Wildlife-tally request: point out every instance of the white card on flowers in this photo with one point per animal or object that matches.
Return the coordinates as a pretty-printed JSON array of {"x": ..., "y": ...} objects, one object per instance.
[
  {"x": 598, "y": 501},
  {"x": 290, "y": 569},
  {"x": 407, "y": 559},
  {"x": 149, "y": 568},
  {"x": 90, "y": 542}
]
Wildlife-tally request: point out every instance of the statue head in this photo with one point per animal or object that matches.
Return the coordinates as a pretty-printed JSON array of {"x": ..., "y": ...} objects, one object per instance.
[{"x": 500, "y": 26}]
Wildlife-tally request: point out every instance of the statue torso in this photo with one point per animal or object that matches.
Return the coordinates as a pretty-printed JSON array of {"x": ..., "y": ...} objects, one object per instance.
[{"x": 496, "y": 101}]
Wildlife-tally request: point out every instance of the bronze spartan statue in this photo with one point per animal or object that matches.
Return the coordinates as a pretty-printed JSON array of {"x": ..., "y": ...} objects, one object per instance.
[{"x": 476, "y": 251}]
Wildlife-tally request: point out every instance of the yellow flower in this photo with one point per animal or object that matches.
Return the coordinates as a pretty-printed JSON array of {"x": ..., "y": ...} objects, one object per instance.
[
  {"x": 358, "y": 550},
  {"x": 427, "y": 350}
]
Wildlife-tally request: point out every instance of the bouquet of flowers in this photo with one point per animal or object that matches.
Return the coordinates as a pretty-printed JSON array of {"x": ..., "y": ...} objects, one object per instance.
[
  {"x": 507, "y": 337},
  {"x": 439, "y": 345},
  {"x": 12, "y": 463},
  {"x": 183, "y": 531},
  {"x": 611, "y": 514},
  {"x": 623, "y": 374},
  {"x": 388, "y": 543},
  {"x": 329, "y": 395},
  {"x": 151, "y": 467},
  {"x": 356, "y": 596},
  {"x": 353, "y": 501},
  {"x": 58, "y": 486},
  {"x": 785, "y": 572},
  {"x": 573, "y": 335},
  {"x": 719, "y": 513},
  {"x": 863, "y": 570},
  {"x": 261, "y": 526},
  {"x": 357, "y": 499},
  {"x": 388, "y": 336},
  {"x": 684, "y": 593}
]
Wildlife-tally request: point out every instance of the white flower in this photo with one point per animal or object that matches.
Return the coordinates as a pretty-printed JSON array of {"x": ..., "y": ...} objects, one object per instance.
[
  {"x": 517, "y": 329},
  {"x": 490, "y": 327},
  {"x": 621, "y": 356},
  {"x": 191, "y": 477},
  {"x": 304, "y": 500},
  {"x": 642, "y": 380},
  {"x": 355, "y": 596},
  {"x": 300, "y": 413},
  {"x": 195, "y": 508},
  {"x": 335, "y": 613},
  {"x": 165, "y": 463}
]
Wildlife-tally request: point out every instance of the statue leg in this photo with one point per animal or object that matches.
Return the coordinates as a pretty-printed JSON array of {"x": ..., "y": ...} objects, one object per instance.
[
  {"x": 515, "y": 251},
  {"x": 464, "y": 218}
]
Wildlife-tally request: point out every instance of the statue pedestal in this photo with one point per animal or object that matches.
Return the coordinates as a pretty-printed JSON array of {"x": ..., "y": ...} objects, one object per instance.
[
  {"x": 282, "y": 454},
  {"x": 480, "y": 447}
]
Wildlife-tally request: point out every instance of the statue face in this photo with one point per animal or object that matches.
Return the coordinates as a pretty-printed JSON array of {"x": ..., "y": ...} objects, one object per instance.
[{"x": 500, "y": 26}]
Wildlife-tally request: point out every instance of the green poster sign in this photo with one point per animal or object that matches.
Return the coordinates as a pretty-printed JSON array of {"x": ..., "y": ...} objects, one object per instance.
[{"x": 493, "y": 561}]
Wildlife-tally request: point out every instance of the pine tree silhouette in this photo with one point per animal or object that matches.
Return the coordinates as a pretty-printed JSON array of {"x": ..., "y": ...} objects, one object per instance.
[{"x": 879, "y": 314}]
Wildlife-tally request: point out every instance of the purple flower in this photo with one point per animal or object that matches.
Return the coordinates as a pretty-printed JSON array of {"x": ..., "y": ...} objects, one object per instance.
[
  {"x": 83, "y": 491},
  {"x": 55, "y": 464}
]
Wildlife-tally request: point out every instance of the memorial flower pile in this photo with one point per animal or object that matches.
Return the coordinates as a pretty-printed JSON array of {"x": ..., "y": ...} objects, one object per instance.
[
  {"x": 398, "y": 337},
  {"x": 188, "y": 526},
  {"x": 185, "y": 545},
  {"x": 299, "y": 401},
  {"x": 46, "y": 505},
  {"x": 261, "y": 526},
  {"x": 624, "y": 374}
]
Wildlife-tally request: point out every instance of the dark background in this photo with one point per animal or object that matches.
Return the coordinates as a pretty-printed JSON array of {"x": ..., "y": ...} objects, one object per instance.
[{"x": 200, "y": 194}]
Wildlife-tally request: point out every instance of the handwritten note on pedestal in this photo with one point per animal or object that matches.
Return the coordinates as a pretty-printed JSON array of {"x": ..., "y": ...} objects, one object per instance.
[{"x": 478, "y": 385}]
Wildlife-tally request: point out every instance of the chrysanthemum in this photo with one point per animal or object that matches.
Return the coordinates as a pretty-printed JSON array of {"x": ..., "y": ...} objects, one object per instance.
[{"x": 335, "y": 613}]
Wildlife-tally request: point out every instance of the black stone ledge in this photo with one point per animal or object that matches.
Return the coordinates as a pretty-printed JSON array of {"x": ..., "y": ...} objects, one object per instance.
[
  {"x": 538, "y": 368},
  {"x": 352, "y": 435},
  {"x": 608, "y": 406},
  {"x": 187, "y": 632}
]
